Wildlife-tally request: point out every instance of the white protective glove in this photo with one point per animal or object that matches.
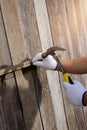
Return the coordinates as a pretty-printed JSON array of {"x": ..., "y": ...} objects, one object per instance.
[
  {"x": 48, "y": 63},
  {"x": 75, "y": 92}
]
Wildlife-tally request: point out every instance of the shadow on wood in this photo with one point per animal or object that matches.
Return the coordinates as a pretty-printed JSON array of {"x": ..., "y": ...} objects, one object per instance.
[
  {"x": 35, "y": 94},
  {"x": 17, "y": 114}
]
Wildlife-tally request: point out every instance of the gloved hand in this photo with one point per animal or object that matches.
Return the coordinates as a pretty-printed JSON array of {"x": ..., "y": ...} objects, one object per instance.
[
  {"x": 48, "y": 63},
  {"x": 75, "y": 92}
]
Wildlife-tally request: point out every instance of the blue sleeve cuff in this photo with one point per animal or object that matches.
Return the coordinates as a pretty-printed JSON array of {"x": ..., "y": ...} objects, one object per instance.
[{"x": 83, "y": 98}]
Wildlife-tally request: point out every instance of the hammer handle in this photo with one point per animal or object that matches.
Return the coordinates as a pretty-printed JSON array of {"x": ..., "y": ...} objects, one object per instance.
[{"x": 66, "y": 76}]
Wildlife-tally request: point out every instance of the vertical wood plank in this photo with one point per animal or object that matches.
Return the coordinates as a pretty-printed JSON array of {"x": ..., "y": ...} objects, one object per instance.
[
  {"x": 17, "y": 49},
  {"x": 81, "y": 19},
  {"x": 40, "y": 79},
  {"x": 9, "y": 103},
  {"x": 81, "y": 33},
  {"x": 33, "y": 26},
  {"x": 17, "y": 34},
  {"x": 2, "y": 117},
  {"x": 84, "y": 19},
  {"x": 55, "y": 23},
  {"x": 57, "y": 8},
  {"x": 46, "y": 42},
  {"x": 73, "y": 25},
  {"x": 3, "y": 44},
  {"x": 77, "y": 7},
  {"x": 78, "y": 52},
  {"x": 65, "y": 28}
]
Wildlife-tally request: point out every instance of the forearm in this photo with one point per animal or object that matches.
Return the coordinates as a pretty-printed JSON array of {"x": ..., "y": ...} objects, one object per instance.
[{"x": 75, "y": 66}]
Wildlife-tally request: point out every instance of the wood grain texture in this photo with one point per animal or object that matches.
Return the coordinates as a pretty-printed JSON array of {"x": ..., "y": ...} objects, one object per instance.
[
  {"x": 39, "y": 75},
  {"x": 14, "y": 36},
  {"x": 46, "y": 42},
  {"x": 64, "y": 23},
  {"x": 27, "y": 93},
  {"x": 62, "y": 27},
  {"x": 9, "y": 103},
  {"x": 35, "y": 97},
  {"x": 2, "y": 117},
  {"x": 15, "y": 41}
]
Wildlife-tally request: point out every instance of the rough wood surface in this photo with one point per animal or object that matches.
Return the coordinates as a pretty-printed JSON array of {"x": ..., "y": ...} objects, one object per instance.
[
  {"x": 39, "y": 75},
  {"x": 53, "y": 81},
  {"x": 10, "y": 110},
  {"x": 34, "y": 98},
  {"x": 15, "y": 41},
  {"x": 35, "y": 115},
  {"x": 9, "y": 69},
  {"x": 62, "y": 29}
]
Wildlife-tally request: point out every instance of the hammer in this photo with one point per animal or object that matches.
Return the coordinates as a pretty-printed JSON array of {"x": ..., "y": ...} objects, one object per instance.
[{"x": 51, "y": 51}]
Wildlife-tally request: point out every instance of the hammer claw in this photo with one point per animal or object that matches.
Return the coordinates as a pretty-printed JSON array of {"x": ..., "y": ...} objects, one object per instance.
[{"x": 51, "y": 51}]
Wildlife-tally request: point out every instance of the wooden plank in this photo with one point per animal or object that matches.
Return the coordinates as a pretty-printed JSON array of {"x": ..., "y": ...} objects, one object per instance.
[
  {"x": 73, "y": 26},
  {"x": 2, "y": 117},
  {"x": 34, "y": 90},
  {"x": 57, "y": 32},
  {"x": 29, "y": 101},
  {"x": 84, "y": 20},
  {"x": 26, "y": 88},
  {"x": 53, "y": 80},
  {"x": 57, "y": 9},
  {"x": 66, "y": 35},
  {"x": 14, "y": 106},
  {"x": 81, "y": 19},
  {"x": 39, "y": 75},
  {"x": 79, "y": 45},
  {"x": 3, "y": 44},
  {"x": 81, "y": 31},
  {"x": 9, "y": 69},
  {"x": 16, "y": 41},
  {"x": 10, "y": 106},
  {"x": 17, "y": 34},
  {"x": 77, "y": 5}
]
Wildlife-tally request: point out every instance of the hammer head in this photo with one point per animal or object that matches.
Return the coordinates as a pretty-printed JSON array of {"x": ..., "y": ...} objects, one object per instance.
[{"x": 51, "y": 51}]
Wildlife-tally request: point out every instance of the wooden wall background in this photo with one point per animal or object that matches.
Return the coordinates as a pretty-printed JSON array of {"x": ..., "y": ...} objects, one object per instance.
[{"x": 34, "y": 99}]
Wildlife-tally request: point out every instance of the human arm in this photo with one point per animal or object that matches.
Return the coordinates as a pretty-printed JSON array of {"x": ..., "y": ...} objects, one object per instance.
[
  {"x": 74, "y": 66},
  {"x": 76, "y": 92}
]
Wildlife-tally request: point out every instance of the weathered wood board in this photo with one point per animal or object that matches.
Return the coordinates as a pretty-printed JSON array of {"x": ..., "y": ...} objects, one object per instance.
[
  {"x": 65, "y": 36},
  {"x": 10, "y": 110},
  {"x": 33, "y": 98}
]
